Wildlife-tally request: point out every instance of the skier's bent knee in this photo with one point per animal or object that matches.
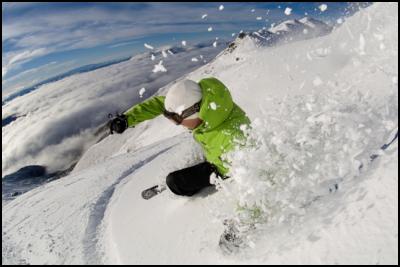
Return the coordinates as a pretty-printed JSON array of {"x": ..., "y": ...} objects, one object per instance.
[{"x": 171, "y": 181}]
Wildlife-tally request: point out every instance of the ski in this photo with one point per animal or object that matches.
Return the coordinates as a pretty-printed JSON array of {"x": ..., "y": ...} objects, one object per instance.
[{"x": 153, "y": 191}]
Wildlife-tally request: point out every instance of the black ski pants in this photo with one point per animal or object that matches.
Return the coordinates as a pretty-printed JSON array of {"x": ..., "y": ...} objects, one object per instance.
[{"x": 188, "y": 181}]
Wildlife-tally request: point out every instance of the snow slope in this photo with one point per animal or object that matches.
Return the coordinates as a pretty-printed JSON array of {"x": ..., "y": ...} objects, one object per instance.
[{"x": 319, "y": 108}]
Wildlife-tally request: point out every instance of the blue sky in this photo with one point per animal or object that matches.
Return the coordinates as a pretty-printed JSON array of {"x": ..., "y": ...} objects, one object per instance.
[{"x": 41, "y": 40}]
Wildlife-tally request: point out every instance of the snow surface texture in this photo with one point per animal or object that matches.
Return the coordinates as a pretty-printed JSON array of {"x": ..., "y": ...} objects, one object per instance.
[{"x": 319, "y": 109}]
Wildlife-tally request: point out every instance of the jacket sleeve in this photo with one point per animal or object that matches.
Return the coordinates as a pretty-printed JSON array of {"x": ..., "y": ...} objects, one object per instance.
[{"x": 146, "y": 110}]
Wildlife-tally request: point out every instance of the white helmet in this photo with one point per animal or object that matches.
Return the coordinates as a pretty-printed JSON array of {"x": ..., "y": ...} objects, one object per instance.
[{"x": 183, "y": 95}]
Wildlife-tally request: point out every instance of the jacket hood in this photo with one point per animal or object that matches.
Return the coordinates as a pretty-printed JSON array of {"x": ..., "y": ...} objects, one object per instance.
[{"x": 216, "y": 103}]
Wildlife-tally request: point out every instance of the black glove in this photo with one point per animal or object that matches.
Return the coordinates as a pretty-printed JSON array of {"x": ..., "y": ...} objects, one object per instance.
[{"x": 119, "y": 124}]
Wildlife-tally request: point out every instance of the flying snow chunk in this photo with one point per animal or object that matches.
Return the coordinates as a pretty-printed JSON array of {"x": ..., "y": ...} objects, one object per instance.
[
  {"x": 288, "y": 11},
  {"x": 323, "y": 7},
  {"x": 194, "y": 59},
  {"x": 259, "y": 18},
  {"x": 184, "y": 43},
  {"x": 164, "y": 54},
  {"x": 213, "y": 106},
  {"x": 204, "y": 16},
  {"x": 210, "y": 29},
  {"x": 233, "y": 34},
  {"x": 339, "y": 20},
  {"x": 253, "y": 10},
  {"x": 215, "y": 44},
  {"x": 153, "y": 57},
  {"x": 141, "y": 92},
  {"x": 317, "y": 81},
  {"x": 221, "y": 7},
  {"x": 309, "y": 57},
  {"x": 159, "y": 67},
  {"x": 148, "y": 46}
]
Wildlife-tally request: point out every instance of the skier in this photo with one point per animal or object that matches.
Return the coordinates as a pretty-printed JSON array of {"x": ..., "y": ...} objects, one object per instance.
[{"x": 208, "y": 110}]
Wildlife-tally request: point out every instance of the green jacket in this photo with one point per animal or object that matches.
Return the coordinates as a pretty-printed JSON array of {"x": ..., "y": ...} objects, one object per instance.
[{"x": 220, "y": 130}]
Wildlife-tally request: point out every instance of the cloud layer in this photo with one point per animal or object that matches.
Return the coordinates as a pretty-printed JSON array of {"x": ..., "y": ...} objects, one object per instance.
[{"x": 57, "y": 122}]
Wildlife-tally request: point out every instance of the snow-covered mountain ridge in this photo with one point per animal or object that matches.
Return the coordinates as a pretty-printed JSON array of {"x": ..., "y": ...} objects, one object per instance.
[{"x": 286, "y": 32}]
